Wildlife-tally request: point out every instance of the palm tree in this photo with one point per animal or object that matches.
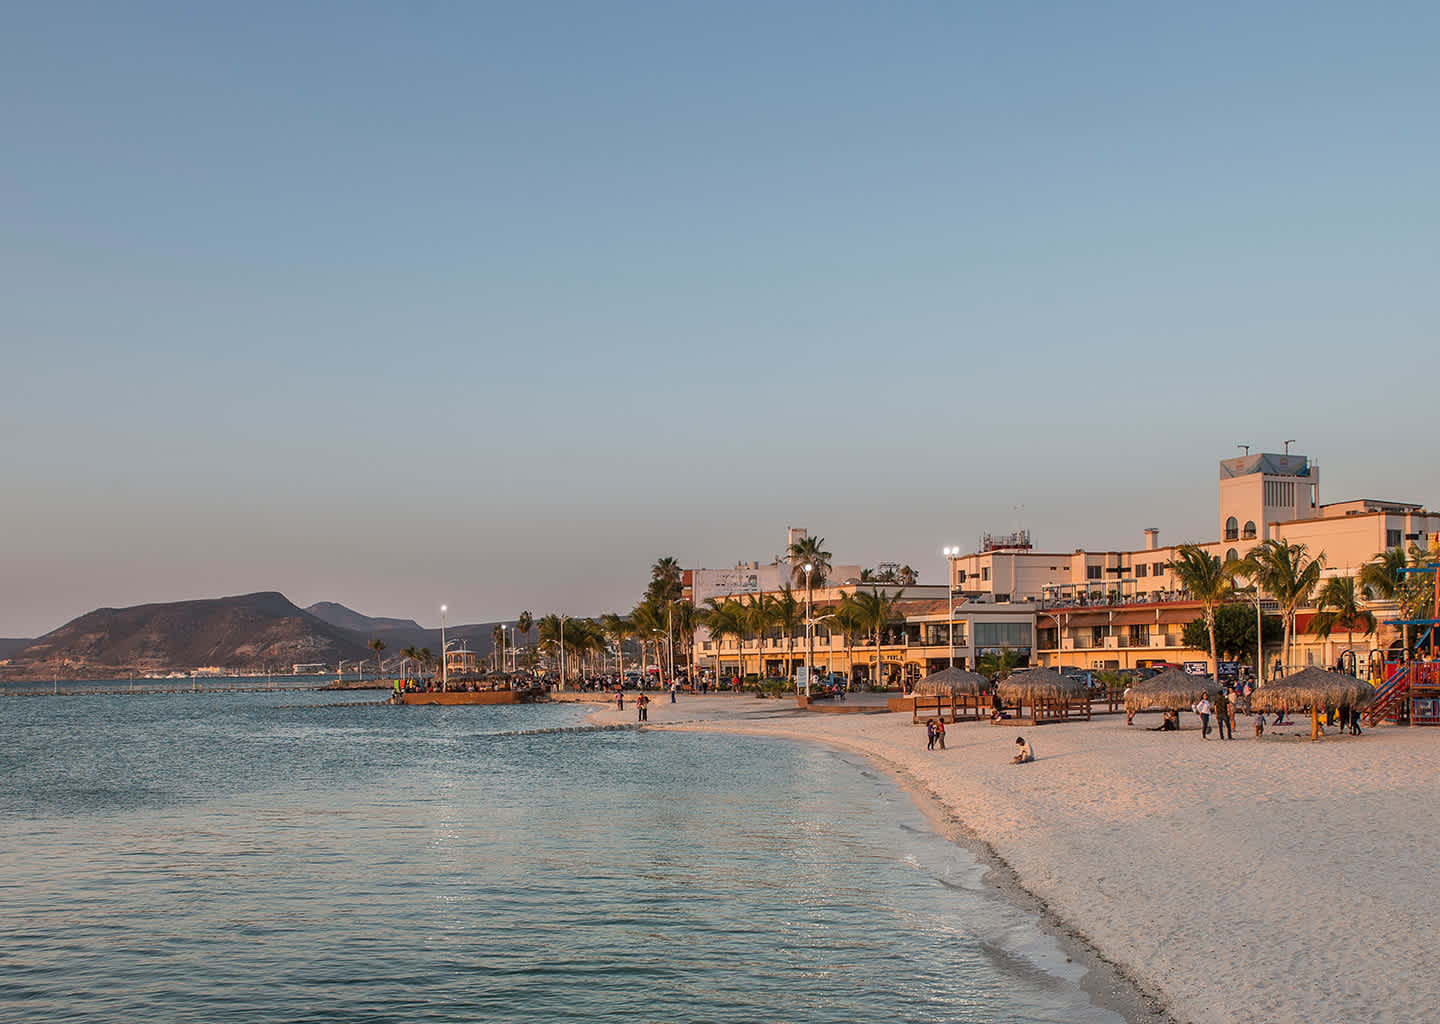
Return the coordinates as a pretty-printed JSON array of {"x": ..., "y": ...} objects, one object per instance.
[
  {"x": 1339, "y": 603},
  {"x": 998, "y": 664},
  {"x": 1208, "y": 582},
  {"x": 1385, "y": 578},
  {"x": 650, "y": 624},
  {"x": 724, "y": 617},
  {"x": 759, "y": 617},
  {"x": 666, "y": 580},
  {"x": 809, "y": 551},
  {"x": 524, "y": 622},
  {"x": 377, "y": 645},
  {"x": 497, "y": 645},
  {"x": 682, "y": 624},
  {"x": 425, "y": 657},
  {"x": 873, "y": 610},
  {"x": 789, "y": 615},
  {"x": 1286, "y": 573},
  {"x": 618, "y": 628},
  {"x": 410, "y": 654}
]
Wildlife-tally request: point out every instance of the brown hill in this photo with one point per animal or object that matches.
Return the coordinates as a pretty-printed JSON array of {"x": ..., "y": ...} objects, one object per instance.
[{"x": 250, "y": 632}]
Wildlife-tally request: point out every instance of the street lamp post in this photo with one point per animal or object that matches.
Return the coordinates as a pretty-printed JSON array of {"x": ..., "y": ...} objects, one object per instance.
[
  {"x": 500, "y": 665},
  {"x": 951, "y": 554},
  {"x": 444, "y": 674},
  {"x": 809, "y": 631}
]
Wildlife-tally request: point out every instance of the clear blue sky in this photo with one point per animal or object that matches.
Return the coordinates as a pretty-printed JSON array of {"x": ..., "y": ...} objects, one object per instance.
[{"x": 492, "y": 305}]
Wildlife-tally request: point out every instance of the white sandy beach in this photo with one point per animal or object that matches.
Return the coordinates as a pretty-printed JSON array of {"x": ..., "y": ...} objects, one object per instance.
[{"x": 1274, "y": 880}]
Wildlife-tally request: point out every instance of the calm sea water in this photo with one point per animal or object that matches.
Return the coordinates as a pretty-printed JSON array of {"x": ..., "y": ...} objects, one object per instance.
[{"x": 279, "y": 857}]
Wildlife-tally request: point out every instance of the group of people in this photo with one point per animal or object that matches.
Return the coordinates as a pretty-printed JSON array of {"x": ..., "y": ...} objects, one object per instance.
[{"x": 935, "y": 739}]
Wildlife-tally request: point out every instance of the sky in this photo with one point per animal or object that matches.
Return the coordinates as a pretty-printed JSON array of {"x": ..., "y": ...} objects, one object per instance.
[{"x": 493, "y": 305}]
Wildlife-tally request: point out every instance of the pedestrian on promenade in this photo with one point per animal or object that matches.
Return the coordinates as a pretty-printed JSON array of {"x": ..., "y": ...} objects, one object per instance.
[
  {"x": 642, "y": 706},
  {"x": 1203, "y": 709},
  {"x": 1223, "y": 722}
]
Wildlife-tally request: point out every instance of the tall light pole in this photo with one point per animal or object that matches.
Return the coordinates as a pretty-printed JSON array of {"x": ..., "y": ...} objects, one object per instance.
[
  {"x": 809, "y": 630},
  {"x": 444, "y": 674},
  {"x": 951, "y": 554},
  {"x": 500, "y": 666}
]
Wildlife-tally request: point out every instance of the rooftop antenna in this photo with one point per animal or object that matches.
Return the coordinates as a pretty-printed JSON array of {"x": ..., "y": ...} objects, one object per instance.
[
  {"x": 1288, "y": 444},
  {"x": 1245, "y": 446}
]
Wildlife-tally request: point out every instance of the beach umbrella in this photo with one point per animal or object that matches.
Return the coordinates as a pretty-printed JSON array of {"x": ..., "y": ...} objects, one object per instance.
[
  {"x": 1314, "y": 688},
  {"x": 951, "y": 682},
  {"x": 1171, "y": 690},
  {"x": 1039, "y": 683}
]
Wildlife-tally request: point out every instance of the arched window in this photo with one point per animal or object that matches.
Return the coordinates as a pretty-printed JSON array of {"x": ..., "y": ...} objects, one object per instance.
[
  {"x": 1249, "y": 530},
  {"x": 1232, "y": 555},
  {"x": 1232, "y": 529}
]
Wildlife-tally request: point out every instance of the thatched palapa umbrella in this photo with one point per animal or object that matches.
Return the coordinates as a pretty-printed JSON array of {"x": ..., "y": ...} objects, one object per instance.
[
  {"x": 1171, "y": 690},
  {"x": 1034, "y": 684},
  {"x": 951, "y": 682},
  {"x": 1313, "y": 688}
]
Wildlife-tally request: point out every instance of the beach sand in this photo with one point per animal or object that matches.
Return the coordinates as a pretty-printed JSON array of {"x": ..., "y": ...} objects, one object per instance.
[{"x": 1269, "y": 880}]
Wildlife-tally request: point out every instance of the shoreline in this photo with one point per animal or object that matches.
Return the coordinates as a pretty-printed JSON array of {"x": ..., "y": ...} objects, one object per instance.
[{"x": 1266, "y": 880}]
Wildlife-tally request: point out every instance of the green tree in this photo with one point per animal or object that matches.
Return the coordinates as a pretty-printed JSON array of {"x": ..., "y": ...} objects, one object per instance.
[
  {"x": 759, "y": 618},
  {"x": 497, "y": 645},
  {"x": 619, "y": 629},
  {"x": 723, "y": 617},
  {"x": 872, "y": 610},
  {"x": 1288, "y": 574},
  {"x": 1384, "y": 578},
  {"x": 1201, "y": 573},
  {"x": 998, "y": 664},
  {"x": 790, "y": 619},
  {"x": 1340, "y": 607},
  {"x": 377, "y": 645},
  {"x": 1234, "y": 632},
  {"x": 809, "y": 551},
  {"x": 682, "y": 625},
  {"x": 666, "y": 581}
]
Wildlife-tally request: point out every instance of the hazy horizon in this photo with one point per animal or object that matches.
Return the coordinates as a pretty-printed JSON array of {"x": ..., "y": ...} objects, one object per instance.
[{"x": 492, "y": 307}]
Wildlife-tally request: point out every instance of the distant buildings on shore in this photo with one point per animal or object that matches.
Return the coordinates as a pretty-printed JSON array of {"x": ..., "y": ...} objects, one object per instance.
[{"x": 1084, "y": 609}]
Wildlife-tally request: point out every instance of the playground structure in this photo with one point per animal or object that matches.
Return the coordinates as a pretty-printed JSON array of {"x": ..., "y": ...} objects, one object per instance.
[{"x": 1409, "y": 691}]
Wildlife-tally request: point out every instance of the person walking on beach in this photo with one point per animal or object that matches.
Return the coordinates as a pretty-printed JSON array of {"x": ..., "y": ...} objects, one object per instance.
[
  {"x": 673, "y": 687},
  {"x": 642, "y": 707},
  {"x": 619, "y": 699},
  {"x": 1024, "y": 754},
  {"x": 1223, "y": 722},
  {"x": 940, "y": 733},
  {"x": 1203, "y": 708},
  {"x": 930, "y": 734}
]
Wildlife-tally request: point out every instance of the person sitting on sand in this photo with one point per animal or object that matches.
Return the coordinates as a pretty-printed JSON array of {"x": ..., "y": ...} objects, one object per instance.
[
  {"x": 1025, "y": 754},
  {"x": 1170, "y": 723}
]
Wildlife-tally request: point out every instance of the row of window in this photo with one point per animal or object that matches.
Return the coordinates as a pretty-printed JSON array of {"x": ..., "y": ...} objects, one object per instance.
[{"x": 1233, "y": 532}]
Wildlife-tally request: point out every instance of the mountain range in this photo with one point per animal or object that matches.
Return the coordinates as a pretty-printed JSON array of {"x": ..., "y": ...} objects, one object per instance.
[{"x": 247, "y": 633}]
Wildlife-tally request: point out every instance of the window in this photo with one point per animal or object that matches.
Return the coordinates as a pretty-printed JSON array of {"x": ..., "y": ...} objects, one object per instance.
[
  {"x": 1140, "y": 570},
  {"x": 1002, "y": 634},
  {"x": 1092, "y": 572},
  {"x": 1140, "y": 636},
  {"x": 1250, "y": 530},
  {"x": 1097, "y": 636},
  {"x": 1392, "y": 538},
  {"x": 985, "y": 573},
  {"x": 1232, "y": 555},
  {"x": 1232, "y": 529},
  {"x": 1158, "y": 568}
]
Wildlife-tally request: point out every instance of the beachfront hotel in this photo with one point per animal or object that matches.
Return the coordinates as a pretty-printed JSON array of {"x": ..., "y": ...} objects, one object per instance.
[{"x": 1084, "y": 609}]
